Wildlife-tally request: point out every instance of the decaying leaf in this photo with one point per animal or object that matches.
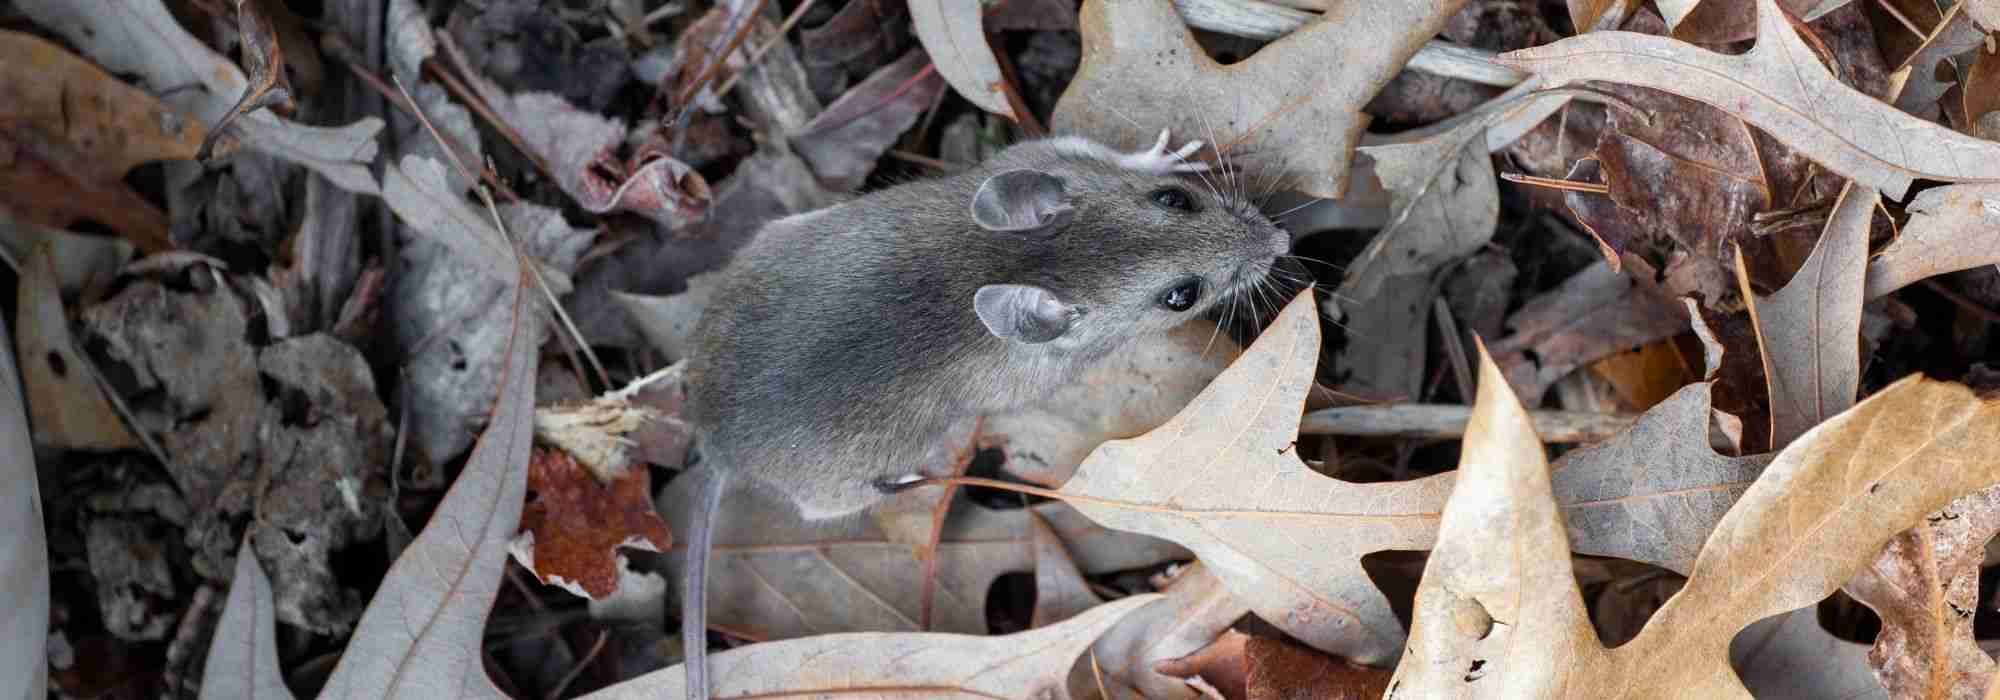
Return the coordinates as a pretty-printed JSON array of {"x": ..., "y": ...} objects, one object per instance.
[
  {"x": 1817, "y": 515},
  {"x": 1925, "y": 587},
  {"x": 580, "y": 149},
  {"x": 1951, "y": 228},
  {"x": 1280, "y": 669},
  {"x": 843, "y": 142},
  {"x": 1589, "y": 316},
  {"x": 1299, "y": 97},
  {"x": 243, "y": 657},
  {"x": 1810, "y": 331},
  {"x": 1030, "y": 664},
  {"x": 68, "y": 409},
  {"x": 423, "y": 629},
  {"x": 573, "y": 525},
  {"x": 142, "y": 38},
  {"x": 264, "y": 60},
  {"x": 1780, "y": 87},
  {"x": 954, "y": 35}
]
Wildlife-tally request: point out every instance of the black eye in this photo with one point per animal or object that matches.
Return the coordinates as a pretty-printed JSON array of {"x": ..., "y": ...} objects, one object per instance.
[
  {"x": 1183, "y": 295},
  {"x": 1174, "y": 198}
]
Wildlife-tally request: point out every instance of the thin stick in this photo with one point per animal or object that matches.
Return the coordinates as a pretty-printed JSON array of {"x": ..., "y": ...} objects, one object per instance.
[
  {"x": 1557, "y": 184},
  {"x": 758, "y": 55}
]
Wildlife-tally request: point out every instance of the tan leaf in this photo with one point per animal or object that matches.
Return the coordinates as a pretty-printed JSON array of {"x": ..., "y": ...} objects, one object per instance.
[
  {"x": 1498, "y": 600},
  {"x": 1810, "y": 331},
  {"x": 1060, "y": 591},
  {"x": 953, "y": 33},
  {"x": 1030, "y": 664},
  {"x": 1951, "y": 228},
  {"x": 112, "y": 126},
  {"x": 1780, "y": 87},
  {"x": 1196, "y": 610},
  {"x": 776, "y": 576},
  {"x": 1925, "y": 586},
  {"x": 1819, "y": 513},
  {"x": 1298, "y": 99},
  {"x": 65, "y": 404},
  {"x": 1222, "y": 479}
]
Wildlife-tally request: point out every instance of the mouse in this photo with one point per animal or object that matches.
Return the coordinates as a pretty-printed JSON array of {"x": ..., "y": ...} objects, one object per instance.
[{"x": 843, "y": 348}]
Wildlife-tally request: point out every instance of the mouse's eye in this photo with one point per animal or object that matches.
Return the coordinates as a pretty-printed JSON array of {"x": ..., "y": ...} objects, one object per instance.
[
  {"x": 1182, "y": 295},
  {"x": 1175, "y": 198}
]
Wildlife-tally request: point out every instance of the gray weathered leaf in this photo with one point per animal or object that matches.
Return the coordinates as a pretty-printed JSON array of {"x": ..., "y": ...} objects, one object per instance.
[
  {"x": 243, "y": 656},
  {"x": 1951, "y": 228},
  {"x": 954, "y": 34},
  {"x": 24, "y": 553},
  {"x": 1028, "y": 665}
]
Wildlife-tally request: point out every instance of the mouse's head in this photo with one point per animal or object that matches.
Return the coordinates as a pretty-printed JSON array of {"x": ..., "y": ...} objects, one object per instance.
[{"x": 1109, "y": 251}]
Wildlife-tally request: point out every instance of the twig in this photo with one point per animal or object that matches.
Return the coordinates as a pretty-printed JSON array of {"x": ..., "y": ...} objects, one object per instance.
[
  {"x": 589, "y": 656},
  {"x": 715, "y": 61},
  {"x": 758, "y": 55},
  {"x": 1454, "y": 347},
  {"x": 1413, "y": 420},
  {"x": 1557, "y": 184}
]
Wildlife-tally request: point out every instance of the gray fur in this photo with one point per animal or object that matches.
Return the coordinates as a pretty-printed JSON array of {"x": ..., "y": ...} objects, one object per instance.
[{"x": 842, "y": 346}]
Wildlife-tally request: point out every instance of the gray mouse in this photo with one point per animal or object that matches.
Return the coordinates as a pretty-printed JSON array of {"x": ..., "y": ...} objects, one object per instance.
[{"x": 848, "y": 350}]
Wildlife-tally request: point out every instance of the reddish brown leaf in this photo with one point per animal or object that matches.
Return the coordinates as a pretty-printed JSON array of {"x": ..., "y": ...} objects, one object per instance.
[
  {"x": 574, "y": 524},
  {"x": 1282, "y": 670}
]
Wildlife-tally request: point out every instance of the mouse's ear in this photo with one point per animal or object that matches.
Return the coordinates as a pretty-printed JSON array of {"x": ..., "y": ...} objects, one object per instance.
[
  {"x": 1021, "y": 200},
  {"x": 1023, "y": 313}
]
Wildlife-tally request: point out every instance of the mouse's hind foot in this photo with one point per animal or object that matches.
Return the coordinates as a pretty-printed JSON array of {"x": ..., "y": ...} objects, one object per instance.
[{"x": 1161, "y": 161}]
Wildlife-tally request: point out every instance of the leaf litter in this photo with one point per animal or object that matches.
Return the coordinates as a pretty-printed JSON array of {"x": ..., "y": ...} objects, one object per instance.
[{"x": 388, "y": 401}]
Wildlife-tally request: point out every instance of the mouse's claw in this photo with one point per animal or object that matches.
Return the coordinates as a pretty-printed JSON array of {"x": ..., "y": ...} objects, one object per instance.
[{"x": 1162, "y": 161}]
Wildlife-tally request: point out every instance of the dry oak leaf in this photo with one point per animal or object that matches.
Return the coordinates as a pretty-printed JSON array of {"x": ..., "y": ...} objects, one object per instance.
[
  {"x": 1060, "y": 590},
  {"x": 954, "y": 35},
  {"x": 1222, "y": 479},
  {"x": 1196, "y": 610},
  {"x": 70, "y": 128},
  {"x": 1819, "y": 514},
  {"x": 1780, "y": 87},
  {"x": 1810, "y": 330},
  {"x": 1925, "y": 587},
  {"x": 1951, "y": 228},
  {"x": 421, "y": 634},
  {"x": 574, "y": 525},
  {"x": 1298, "y": 99},
  {"x": 1030, "y": 664}
]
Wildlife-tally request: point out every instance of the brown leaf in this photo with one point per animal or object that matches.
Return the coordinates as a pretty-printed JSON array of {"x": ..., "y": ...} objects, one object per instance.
[
  {"x": 580, "y": 150},
  {"x": 65, "y": 405},
  {"x": 1220, "y": 663},
  {"x": 1981, "y": 87},
  {"x": 1298, "y": 99},
  {"x": 1925, "y": 586},
  {"x": 911, "y": 664},
  {"x": 1719, "y": 21},
  {"x": 1657, "y": 197},
  {"x": 263, "y": 64},
  {"x": 1591, "y": 315},
  {"x": 1281, "y": 670},
  {"x": 1810, "y": 331},
  {"x": 1779, "y": 87},
  {"x": 573, "y": 525},
  {"x": 1951, "y": 228}
]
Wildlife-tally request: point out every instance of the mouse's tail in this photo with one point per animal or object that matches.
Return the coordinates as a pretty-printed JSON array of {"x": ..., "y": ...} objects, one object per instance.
[{"x": 694, "y": 582}]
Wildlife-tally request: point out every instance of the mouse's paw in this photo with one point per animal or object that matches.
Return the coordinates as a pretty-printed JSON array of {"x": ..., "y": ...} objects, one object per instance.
[{"x": 1159, "y": 160}]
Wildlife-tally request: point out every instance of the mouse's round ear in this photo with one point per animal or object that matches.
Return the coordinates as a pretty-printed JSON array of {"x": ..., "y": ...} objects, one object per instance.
[
  {"x": 1021, "y": 200},
  {"x": 1023, "y": 313}
]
